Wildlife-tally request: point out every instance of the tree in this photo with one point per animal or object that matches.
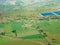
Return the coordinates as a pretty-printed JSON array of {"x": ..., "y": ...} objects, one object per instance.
[
  {"x": 45, "y": 35},
  {"x": 14, "y": 31},
  {"x": 2, "y": 33},
  {"x": 49, "y": 43},
  {"x": 40, "y": 31}
]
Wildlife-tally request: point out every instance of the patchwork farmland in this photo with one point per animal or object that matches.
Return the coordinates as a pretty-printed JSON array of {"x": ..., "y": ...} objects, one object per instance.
[
  {"x": 28, "y": 30},
  {"x": 29, "y": 22}
]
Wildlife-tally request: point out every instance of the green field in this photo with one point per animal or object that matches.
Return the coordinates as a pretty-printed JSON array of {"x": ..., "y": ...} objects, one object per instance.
[{"x": 30, "y": 32}]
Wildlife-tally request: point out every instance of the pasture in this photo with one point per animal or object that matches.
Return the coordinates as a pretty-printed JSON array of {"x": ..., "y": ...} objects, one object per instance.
[{"x": 28, "y": 34}]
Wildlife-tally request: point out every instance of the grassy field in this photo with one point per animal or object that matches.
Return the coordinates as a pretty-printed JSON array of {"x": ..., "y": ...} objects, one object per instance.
[{"x": 27, "y": 30}]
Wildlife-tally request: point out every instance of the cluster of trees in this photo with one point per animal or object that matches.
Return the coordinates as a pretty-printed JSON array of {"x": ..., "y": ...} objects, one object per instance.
[
  {"x": 45, "y": 35},
  {"x": 4, "y": 33}
]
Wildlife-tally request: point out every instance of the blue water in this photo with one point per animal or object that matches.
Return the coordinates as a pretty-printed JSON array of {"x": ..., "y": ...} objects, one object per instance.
[
  {"x": 57, "y": 12},
  {"x": 47, "y": 14}
]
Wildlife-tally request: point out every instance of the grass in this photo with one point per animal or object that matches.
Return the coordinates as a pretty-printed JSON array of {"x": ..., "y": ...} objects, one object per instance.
[
  {"x": 4, "y": 40},
  {"x": 53, "y": 27},
  {"x": 31, "y": 32},
  {"x": 21, "y": 42},
  {"x": 37, "y": 36}
]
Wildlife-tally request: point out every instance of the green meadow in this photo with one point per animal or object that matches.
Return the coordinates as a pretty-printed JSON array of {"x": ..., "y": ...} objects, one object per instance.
[{"x": 28, "y": 30}]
